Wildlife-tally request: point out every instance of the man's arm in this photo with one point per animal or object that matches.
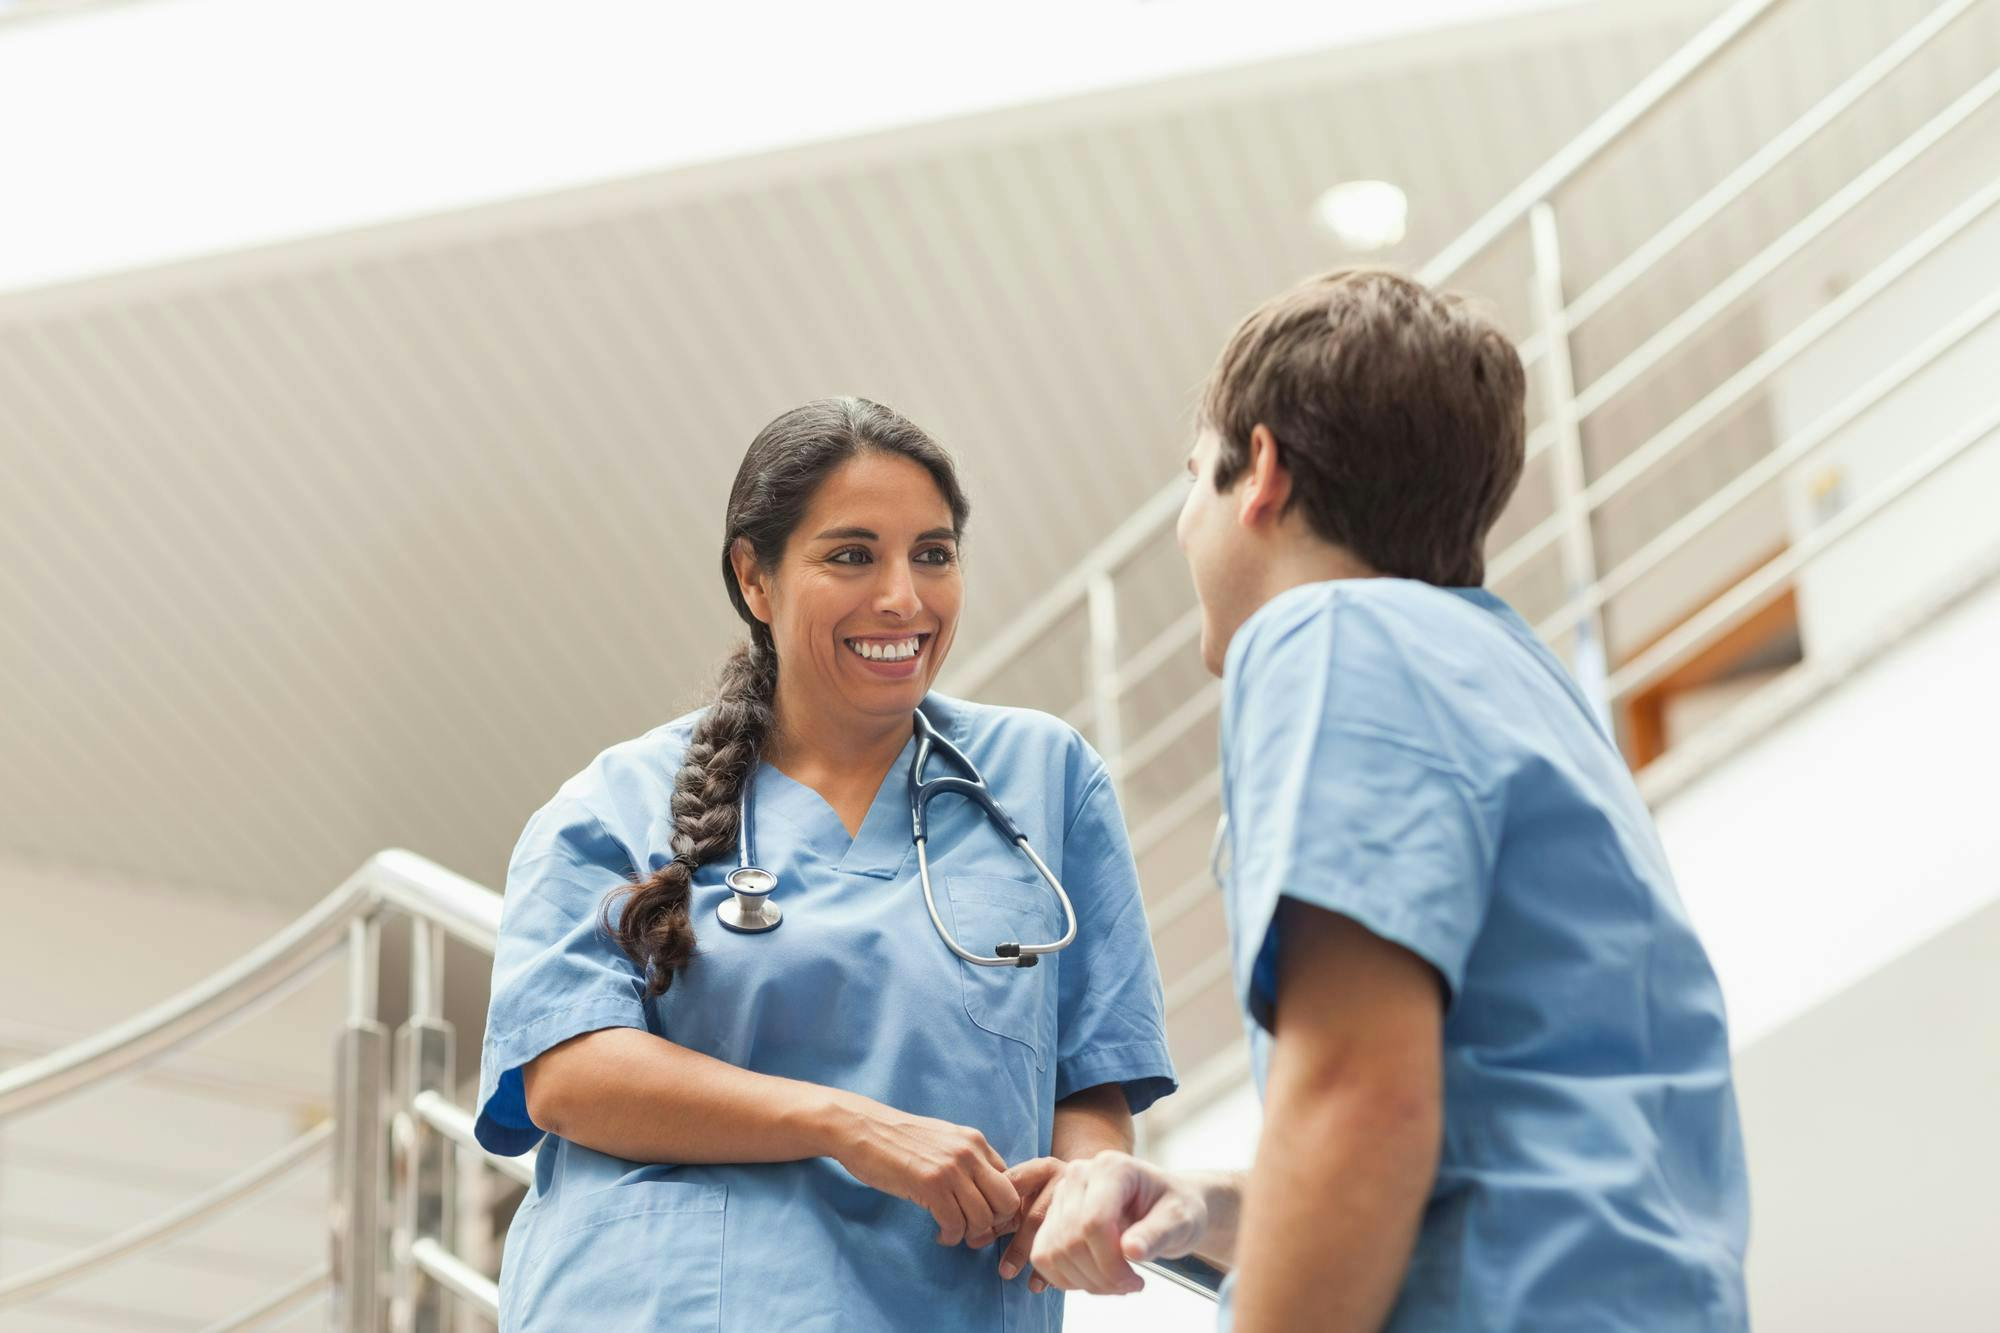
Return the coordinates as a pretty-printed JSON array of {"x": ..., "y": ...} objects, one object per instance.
[{"x": 1353, "y": 1122}]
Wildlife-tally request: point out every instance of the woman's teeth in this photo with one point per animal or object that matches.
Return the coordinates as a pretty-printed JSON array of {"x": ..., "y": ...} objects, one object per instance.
[{"x": 898, "y": 650}]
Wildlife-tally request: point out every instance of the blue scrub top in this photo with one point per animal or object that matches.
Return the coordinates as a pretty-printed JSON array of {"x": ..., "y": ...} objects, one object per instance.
[
  {"x": 854, "y": 990},
  {"x": 1413, "y": 758}
]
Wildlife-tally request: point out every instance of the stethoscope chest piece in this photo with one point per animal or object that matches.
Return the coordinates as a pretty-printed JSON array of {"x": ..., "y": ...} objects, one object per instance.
[{"x": 749, "y": 909}]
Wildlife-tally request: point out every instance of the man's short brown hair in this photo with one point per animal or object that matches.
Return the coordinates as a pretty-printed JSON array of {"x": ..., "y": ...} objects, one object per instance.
[{"x": 1398, "y": 410}]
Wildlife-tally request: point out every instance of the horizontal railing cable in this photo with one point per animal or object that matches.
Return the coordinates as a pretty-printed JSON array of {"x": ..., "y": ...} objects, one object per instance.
[
  {"x": 60, "y": 1272},
  {"x": 1768, "y": 580},
  {"x": 290, "y": 1298}
]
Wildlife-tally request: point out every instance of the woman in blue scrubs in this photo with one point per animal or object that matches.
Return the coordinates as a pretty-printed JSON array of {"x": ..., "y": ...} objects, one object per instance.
[{"x": 833, "y": 1124}]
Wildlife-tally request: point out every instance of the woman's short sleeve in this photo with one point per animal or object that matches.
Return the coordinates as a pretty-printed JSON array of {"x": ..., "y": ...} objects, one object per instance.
[
  {"x": 556, "y": 972},
  {"x": 1111, "y": 1020}
]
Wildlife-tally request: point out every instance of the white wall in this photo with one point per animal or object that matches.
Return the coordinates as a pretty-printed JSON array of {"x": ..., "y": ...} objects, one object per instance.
[
  {"x": 1875, "y": 1162},
  {"x": 1853, "y": 831}
]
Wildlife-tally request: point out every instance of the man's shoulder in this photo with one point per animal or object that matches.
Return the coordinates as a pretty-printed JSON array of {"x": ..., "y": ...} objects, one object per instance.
[{"x": 1392, "y": 657}]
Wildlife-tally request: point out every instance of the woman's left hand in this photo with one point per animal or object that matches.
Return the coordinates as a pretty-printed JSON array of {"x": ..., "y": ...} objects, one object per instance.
[{"x": 1034, "y": 1180}]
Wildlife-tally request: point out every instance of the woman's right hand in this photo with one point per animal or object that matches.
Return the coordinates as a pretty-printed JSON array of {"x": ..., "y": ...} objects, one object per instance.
[{"x": 949, "y": 1170}]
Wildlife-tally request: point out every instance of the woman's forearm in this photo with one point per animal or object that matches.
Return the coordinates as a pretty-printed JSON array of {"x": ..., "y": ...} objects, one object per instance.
[
  {"x": 628, "y": 1093},
  {"x": 633, "y": 1095},
  {"x": 1091, "y": 1121}
]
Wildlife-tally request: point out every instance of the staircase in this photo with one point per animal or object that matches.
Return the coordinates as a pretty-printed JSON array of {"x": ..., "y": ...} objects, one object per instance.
[{"x": 1762, "y": 455}]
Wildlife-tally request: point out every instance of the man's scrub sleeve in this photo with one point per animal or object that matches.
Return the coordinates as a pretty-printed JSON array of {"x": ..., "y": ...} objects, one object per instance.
[{"x": 1356, "y": 821}]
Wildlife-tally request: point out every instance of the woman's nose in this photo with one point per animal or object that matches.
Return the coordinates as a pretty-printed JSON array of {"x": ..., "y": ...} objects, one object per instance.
[{"x": 896, "y": 593}]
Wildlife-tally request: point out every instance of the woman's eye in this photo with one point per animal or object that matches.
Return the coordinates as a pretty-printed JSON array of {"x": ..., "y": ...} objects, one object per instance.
[
  {"x": 850, "y": 555},
  {"x": 935, "y": 555}
]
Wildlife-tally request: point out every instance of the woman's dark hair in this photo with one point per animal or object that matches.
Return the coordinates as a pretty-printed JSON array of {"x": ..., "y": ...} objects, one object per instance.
[{"x": 781, "y": 472}]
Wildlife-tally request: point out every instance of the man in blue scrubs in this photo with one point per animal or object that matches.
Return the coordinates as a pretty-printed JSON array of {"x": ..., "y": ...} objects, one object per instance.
[{"x": 1492, "y": 1054}]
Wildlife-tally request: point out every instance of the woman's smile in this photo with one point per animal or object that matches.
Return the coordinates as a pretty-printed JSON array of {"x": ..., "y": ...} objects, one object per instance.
[{"x": 892, "y": 657}]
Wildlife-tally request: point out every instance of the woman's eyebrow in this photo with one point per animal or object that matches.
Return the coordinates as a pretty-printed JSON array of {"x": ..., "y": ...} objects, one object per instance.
[{"x": 870, "y": 535}]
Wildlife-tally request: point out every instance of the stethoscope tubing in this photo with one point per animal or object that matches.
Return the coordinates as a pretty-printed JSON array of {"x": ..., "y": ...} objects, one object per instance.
[{"x": 749, "y": 910}]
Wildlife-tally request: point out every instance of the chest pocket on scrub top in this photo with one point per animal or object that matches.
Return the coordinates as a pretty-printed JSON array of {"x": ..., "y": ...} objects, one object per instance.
[{"x": 1013, "y": 1002}]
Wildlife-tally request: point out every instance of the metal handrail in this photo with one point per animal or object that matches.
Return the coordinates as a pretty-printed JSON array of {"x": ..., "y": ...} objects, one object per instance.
[
  {"x": 1717, "y": 37},
  {"x": 1588, "y": 595},
  {"x": 392, "y": 878},
  {"x": 390, "y": 881},
  {"x": 463, "y": 908},
  {"x": 284, "y": 1301},
  {"x": 1753, "y": 376},
  {"x": 1615, "y": 282},
  {"x": 1768, "y": 468},
  {"x": 185, "y": 1217},
  {"x": 1625, "y": 115},
  {"x": 1138, "y": 528},
  {"x": 1587, "y": 590},
  {"x": 292, "y": 955},
  {"x": 455, "y": 1123},
  {"x": 457, "y": 1276},
  {"x": 1749, "y": 593},
  {"x": 1726, "y": 396},
  {"x": 400, "y": 882},
  {"x": 1176, "y": 812},
  {"x": 1178, "y": 901},
  {"x": 1796, "y": 238},
  {"x": 1170, "y": 729},
  {"x": 1725, "y": 294},
  {"x": 1752, "y": 592}
]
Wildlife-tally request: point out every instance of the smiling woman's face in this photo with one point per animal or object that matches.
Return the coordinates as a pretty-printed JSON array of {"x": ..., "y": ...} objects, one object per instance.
[{"x": 864, "y": 602}]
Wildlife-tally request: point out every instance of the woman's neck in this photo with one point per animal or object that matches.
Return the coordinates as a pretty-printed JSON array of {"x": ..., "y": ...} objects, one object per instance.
[{"x": 840, "y": 754}]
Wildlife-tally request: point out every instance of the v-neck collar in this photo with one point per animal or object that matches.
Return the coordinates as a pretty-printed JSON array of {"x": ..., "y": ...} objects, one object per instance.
[{"x": 882, "y": 845}]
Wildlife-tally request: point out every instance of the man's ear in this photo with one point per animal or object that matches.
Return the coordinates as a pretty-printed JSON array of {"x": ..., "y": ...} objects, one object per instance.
[
  {"x": 1265, "y": 485},
  {"x": 751, "y": 579}
]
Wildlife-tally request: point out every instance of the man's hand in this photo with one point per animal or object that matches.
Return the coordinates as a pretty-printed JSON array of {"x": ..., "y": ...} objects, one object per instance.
[
  {"x": 1108, "y": 1211},
  {"x": 1033, "y": 1181}
]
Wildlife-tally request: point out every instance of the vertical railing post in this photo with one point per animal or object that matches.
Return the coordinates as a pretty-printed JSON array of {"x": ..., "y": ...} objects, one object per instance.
[
  {"x": 360, "y": 1063},
  {"x": 1102, "y": 669},
  {"x": 1578, "y": 547},
  {"x": 424, "y": 1194}
]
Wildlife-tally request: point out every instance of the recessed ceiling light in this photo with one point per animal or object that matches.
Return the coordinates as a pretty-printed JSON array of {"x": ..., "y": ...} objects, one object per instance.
[{"x": 1363, "y": 215}]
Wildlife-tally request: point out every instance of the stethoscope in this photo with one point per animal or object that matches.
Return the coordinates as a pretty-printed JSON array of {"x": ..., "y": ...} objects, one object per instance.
[{"x": 751, "y": 911}]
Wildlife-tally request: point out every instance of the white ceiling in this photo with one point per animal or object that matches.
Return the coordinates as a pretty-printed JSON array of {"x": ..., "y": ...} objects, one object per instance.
[{"x": 369, "y": 111}]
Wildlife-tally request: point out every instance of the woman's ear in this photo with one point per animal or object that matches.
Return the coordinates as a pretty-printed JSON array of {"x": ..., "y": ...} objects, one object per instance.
[{"x": 751, "y": 579}]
